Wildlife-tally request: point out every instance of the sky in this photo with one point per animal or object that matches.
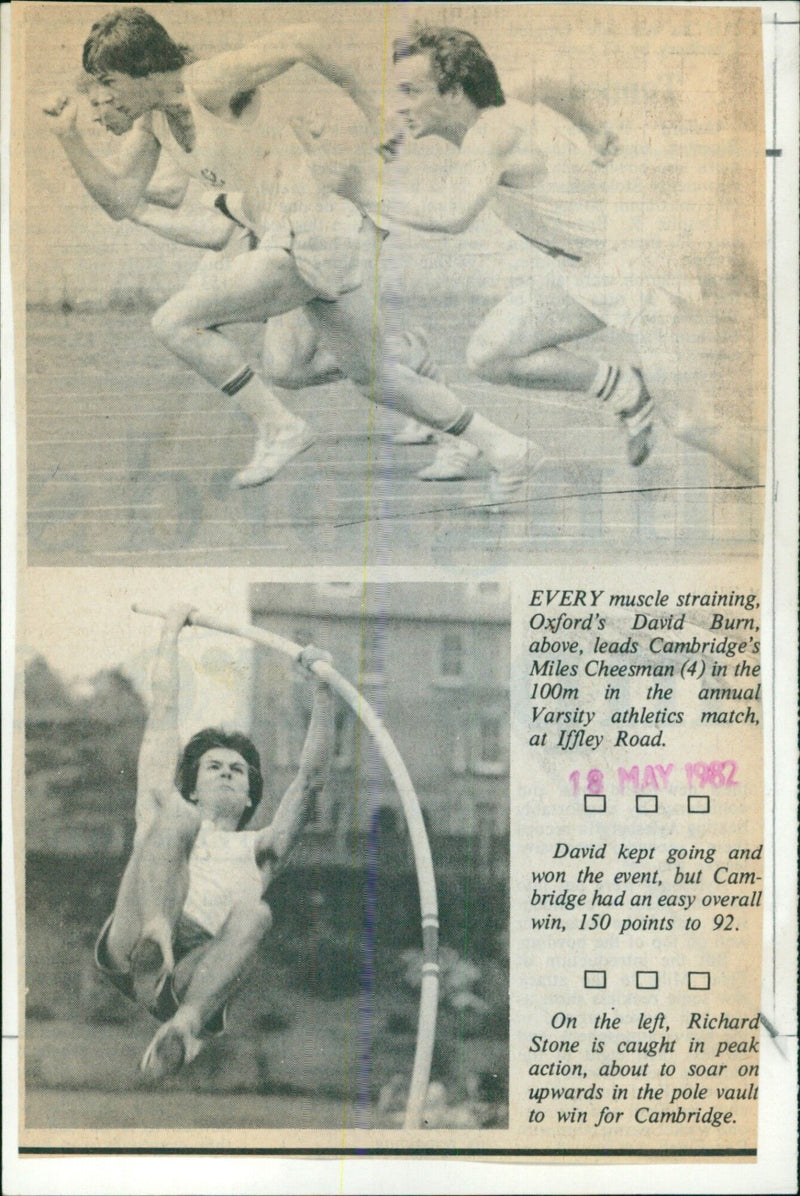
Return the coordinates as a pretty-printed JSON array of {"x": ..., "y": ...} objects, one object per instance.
[{"x": 81, "y": 621}]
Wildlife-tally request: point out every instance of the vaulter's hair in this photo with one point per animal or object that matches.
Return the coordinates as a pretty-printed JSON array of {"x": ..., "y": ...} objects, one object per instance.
[
  {"x": 205, "y": 741},
  {"x": 133, "y": 42},
  {"x": 457, "y": 58}
]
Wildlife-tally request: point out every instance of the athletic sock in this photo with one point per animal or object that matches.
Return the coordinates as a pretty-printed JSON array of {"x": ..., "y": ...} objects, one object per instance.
[
  {"x": 495, "y": 443},
  {"x": 259, "y": 402},
  {"x": 461, "y": 424},
  {"x": 618, "y": 387}
]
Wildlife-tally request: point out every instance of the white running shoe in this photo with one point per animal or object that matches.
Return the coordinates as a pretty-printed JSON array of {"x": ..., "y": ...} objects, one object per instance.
[
  {"x": 270, "y": 456},
  {"x": 171, "y": 1048},
  {"x": 452, "y": 461},
  {"x": 413, "y": 432},
  {"x": 638, "y": 424},
  {"x": 507, "y": 479}
]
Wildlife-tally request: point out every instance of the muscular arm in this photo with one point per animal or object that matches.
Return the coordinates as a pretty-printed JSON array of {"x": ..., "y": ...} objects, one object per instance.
[
  {"x": 220, "y": 78},
  {"x": 168, "y": 186},
  {"x": 585, "y": 107},
  {"x": 467, "y": 188},
  {"x": 193, "y": 224},
  {"x": 116, "y": 187},
  {"x": 158, "y": 755},
  {"x": 276, "y": 841}
]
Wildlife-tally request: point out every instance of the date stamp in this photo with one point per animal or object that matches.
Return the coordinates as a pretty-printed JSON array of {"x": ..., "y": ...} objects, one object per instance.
[{"x": 710, "y": 774}]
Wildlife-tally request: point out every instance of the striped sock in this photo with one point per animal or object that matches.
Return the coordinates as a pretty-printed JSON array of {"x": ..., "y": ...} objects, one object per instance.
[
  {"x": 618, "y": 386},
  {"x": 259, "y": 402},
  {"x": 461, "y": 424},
  {"x": 235, "y": 384}
]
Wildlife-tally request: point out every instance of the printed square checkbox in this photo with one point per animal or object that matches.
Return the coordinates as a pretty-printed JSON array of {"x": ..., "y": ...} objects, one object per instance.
[
  {"x": 594, "y": 803},
  {"x": 699, "y": 980},
  {"x": 698, "y": 803},
  {"x": 594, "y": 979},
  {"x": 647, "y": 979},
  {"x": 646, "y": 803}
]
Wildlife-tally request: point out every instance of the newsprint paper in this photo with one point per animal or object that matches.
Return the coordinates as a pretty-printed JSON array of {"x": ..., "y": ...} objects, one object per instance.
[{"x": 404, "y": 622}]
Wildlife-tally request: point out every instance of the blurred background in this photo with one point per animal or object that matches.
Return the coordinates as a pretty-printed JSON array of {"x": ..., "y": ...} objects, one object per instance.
[{"x": 323, "y": 1030}]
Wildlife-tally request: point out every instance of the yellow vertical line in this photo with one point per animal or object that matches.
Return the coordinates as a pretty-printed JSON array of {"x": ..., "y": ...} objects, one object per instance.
[
  {"x": 370, "y": 426},
  {"x": 375, "y": 292}
]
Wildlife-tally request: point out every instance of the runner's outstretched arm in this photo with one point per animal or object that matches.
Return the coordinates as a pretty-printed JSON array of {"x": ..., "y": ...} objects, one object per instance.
[
  {"x": 169, "y": 184},
  {"x": 164, "y": 209},
  {"x": 220, "y": 78},
  {"x": 192, "y": 224},
  {"x": 585, "y": 107},
  {"x": 117, "y": 188},
  {"x": 276, "y": 841},
  {"x": 467, "y": 189}
]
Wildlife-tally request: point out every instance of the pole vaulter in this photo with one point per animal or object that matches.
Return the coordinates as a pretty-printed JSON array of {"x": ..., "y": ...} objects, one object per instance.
[{"x": 429, "y": 993}]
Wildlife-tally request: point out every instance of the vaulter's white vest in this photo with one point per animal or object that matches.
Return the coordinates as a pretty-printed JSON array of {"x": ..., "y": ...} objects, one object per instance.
[{"x": 222, "y": 871}]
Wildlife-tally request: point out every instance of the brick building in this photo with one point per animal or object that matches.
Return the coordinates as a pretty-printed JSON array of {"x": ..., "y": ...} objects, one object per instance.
[{"x": 433, "y": 661}]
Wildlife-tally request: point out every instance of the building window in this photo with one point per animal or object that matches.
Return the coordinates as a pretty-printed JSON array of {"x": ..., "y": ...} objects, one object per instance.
[
  {"x": 451, "y": 659},
  {"x": 490, "y": 753},
  {"x": 373, "y": 647},
  {"x": 344, "y": 736},
  {"x": 484, "y": 829},
  {"x": 344, "y": 590},
  {"x": 281, "y": 740},
  {"x": 489, "y": 592},
  {"x": 459, "y": 742}
]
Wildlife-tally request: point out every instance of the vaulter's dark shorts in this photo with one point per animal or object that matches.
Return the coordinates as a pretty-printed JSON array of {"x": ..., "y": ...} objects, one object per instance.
[{"x": 188, "y": 935}]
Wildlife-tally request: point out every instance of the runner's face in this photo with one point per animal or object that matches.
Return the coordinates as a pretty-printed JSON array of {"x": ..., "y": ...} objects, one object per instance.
[
  {"x": 106, "y": 112},
  {"x": 128, "y": 95},
  {"x": 222, "y": 788},
  {"x": 421, "y": 104}
]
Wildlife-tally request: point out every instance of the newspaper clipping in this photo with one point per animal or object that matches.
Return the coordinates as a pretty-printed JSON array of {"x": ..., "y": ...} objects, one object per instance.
[{"x": 392, "y": 395}]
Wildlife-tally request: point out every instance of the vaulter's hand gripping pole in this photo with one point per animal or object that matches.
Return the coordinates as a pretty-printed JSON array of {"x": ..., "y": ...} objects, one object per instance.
[{"x": 429, "y": 994}]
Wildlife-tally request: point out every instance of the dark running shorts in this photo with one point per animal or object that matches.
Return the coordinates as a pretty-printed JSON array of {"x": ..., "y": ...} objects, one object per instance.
[{"x": 188, "y": 935}]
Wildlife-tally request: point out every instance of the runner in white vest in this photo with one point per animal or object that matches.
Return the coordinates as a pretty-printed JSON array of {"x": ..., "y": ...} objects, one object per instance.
[
  {"x": 539, "y": 174},
  {"x": 293, "y": 355},
  {"x": 315, "y": 248}
]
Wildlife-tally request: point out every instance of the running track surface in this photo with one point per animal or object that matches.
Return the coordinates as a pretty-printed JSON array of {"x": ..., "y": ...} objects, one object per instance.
[{"x": 130, "y": 457}]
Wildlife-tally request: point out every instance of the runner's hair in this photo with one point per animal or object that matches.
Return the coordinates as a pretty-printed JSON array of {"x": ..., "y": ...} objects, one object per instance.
[
  {"x": 205, "y": 741},
  {"x": 457, "y": 59},
  {"x": 133, "y": 42}
]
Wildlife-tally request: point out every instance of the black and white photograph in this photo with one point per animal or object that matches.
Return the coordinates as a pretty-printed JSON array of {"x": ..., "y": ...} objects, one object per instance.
[
  {"x": 328, "y": 284},
  {"x": 241, "y": 852},
  {"x": 400, "y": 427}
]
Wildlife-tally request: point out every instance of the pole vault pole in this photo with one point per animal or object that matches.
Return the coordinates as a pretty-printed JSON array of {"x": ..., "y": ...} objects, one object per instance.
[{"x": 429, "y": 993}]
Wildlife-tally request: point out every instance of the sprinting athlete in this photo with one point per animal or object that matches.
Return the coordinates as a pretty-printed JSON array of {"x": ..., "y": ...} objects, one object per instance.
[
  {"x": 191, "y": 908},
  {"x": 315, "y": 248},
  {"x": 539, "y": 174},
  {"x": 293, "y": 356}
]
